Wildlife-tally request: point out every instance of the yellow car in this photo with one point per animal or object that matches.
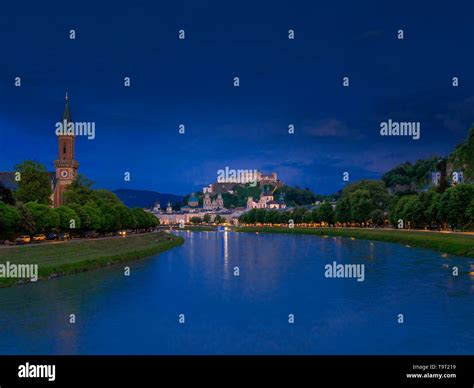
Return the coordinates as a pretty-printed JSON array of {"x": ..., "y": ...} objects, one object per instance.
[
  {"x": 39, "y": 237},
  {"x": 122, "y": 233},
  {"x": 23, "y": 240}
]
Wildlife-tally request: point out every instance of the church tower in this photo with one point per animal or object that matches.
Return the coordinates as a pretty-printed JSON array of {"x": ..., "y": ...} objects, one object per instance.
[
  {"x": 219, "y": 201},
  {"x": 207, "y": 202},
  {"x": 66, "y": 166}
]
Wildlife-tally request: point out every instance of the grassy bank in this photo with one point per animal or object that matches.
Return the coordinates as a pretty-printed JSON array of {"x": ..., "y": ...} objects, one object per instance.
[
  {"x": 455, "y": 244},
  {"x": 83, "y": 255}
]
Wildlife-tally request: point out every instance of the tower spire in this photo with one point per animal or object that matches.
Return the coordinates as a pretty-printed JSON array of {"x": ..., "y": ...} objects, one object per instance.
[{"x": 67, "y": 114}]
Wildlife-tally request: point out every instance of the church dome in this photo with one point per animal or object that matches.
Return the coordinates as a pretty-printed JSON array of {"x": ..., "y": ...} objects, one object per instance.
[{"x": 193, "y": 200}]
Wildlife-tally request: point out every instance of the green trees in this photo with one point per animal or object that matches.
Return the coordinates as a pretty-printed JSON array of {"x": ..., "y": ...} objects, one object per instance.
[
  {"x": 408, "y": 209},
  {"x": 79, "y": 191},
  {"x": 46, "y": 219},
  {"x": 206, "y": 219},
  {"x": 240, "y": 195},
  {"x": 413, "y": 212},
  {"x": 343, "y": 210},
  {"x": 326, "y": 213},
  {"x": 85, "y": 209},
  {"x": 295, "y": 196},
  {"x": 6, "y": 195},
  {"x": 308, "y": 217},
  {"x": 360, "y": 199},
  {"x": 297, "y": 214},
  {"x": 143, "y": 219},
  {"x": 408, "y": 174},
  {"x": 428, "y": 209},
  {"x": 33, "y": 184},
  {"x": 377, "y": 217},
  {"x": 218, "y": 219},
  {"x": 361, "y": 205},
  {"x": 9, "y": 220},
  {"x": 470, "y": 213},
  {"x": 454, "y": 204},
  {"x": 271, "y": 217},
  {"x": 433, "y": 211},
  {"x": 108, "y": 220},
  {"x": 93, "y": 217},
  {"x": 27, "y": 221},
  {"x": 123, "y": 217},
  {"x": 196, "y": 220},
  {"x": 248, "y": 217},
  {"x": 152, "y": 220},
  {"x": 316, "y": 216},
  {"x": 260, "y": 215},
  {"x": 368, "y": 203},
  {"x": 102, "y": 211},
  {"x": 462, "y": 157},
  {"x": 68, "y": 218}
]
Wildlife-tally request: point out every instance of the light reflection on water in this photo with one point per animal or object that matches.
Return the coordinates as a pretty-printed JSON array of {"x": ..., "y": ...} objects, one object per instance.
[{"x": 248, "y": 314}]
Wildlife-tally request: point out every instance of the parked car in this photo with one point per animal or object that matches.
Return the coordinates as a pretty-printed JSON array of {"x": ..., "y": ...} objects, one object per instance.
[
  {"x": 51, "y": 236},
  {"x": 64, "y": 236},
  {"x": 39, "y": 237},
  {"x": 91, "y": 235},
  {"x": 23, "y": 239}
]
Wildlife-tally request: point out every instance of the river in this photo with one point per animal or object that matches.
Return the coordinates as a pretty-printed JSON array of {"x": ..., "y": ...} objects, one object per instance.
[{"x": 280, "y": 277}]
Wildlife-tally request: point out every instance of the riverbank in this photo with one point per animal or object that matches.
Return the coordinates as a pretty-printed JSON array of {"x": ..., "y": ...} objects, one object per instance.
[
  {"x": 79, "y": 256},
  {"x": 454, "y": 244}
]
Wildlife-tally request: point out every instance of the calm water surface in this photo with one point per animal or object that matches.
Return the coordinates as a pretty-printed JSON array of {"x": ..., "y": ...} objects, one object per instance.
[{"x": 225, "y": 314}]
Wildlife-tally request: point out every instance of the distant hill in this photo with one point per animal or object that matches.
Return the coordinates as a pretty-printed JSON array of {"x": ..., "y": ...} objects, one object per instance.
[
  {"x": 413, "y": 176},
  {"x": 145, "y": 198},
  {"x": 416, "y": 176},
  {"x": 462, "y": 157}
]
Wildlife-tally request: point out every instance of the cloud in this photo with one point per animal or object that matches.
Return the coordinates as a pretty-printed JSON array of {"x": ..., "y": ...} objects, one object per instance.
[
  {"x": 431, "y": 109},
  {"x": 327, "y": 128}
]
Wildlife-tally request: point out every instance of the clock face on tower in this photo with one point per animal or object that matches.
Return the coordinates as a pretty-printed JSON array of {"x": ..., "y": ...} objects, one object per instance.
[{"x": 64, "y": 174}]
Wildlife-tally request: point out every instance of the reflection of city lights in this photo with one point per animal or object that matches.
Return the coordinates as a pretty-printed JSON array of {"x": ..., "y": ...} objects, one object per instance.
[{"x": 226, "y": 247}]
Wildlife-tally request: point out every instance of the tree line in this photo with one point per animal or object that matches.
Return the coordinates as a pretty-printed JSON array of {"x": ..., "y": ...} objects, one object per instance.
[
  {"x": 368, "y": 203},
  {"x": 207, "y": 219},
  {"x": 322, "y": 214},
  {"x": 27, "y": 210}
]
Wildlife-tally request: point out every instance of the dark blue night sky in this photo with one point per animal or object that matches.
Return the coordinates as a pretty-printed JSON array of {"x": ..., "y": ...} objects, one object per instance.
[{"x": 191, "y": 82}]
